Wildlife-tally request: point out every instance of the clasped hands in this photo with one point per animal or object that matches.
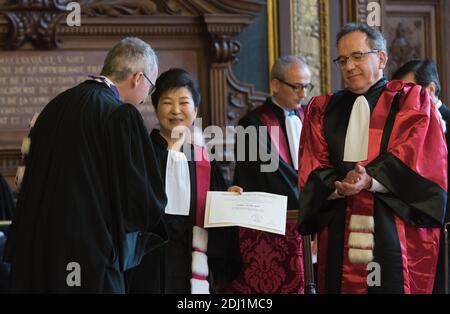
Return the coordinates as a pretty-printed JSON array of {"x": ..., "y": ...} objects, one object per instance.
[{"x": 355, "y": 181}]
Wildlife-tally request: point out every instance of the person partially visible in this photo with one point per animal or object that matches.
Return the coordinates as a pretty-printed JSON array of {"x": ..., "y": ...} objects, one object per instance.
[
  {"x": 424, "y": 72},
  {"x": 6, "y": 211},
  {"x": 273, "y": 263},
  {"x": 373, "y": 184},
  {"x": 91, "y": 196},
  {"x": 6, "y": 200},
  {"x": 195, "y": 260}
]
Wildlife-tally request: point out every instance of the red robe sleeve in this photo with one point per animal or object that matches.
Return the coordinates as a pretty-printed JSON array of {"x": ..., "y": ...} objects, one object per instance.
[
  {"x": 316, "y": 173},
  {"x": 417, "y": 138},
  {"x": 313, "y": 146},
  {"x": 414, "y": 167}
]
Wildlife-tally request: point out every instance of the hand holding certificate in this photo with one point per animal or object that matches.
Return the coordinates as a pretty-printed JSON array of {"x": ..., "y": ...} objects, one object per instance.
[{"x": 255, "y": 210}]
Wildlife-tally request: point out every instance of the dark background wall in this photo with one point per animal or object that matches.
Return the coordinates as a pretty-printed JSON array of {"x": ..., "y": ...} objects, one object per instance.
[{"x": 253, "y": 59}]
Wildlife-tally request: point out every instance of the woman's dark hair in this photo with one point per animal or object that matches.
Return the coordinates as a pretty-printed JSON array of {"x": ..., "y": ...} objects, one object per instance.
[
  {"x": 172, "y": 79},
  {"x": 424, "y": 71}
]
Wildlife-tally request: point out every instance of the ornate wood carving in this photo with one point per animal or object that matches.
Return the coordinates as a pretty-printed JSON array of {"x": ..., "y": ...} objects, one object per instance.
[
  {"x": 205, "y": 28},
  {"x": 225, "y": 49},
  {"x": 116, "y": 8},
  {"x": 34, "y": 21},
  {"x": 224, "y": 53},
  {"x": 412, "y": 31},
  {"x": 39, "y": 21},
  {"x": 242, "y": 98},
  {"x": 404, "y": 46}
]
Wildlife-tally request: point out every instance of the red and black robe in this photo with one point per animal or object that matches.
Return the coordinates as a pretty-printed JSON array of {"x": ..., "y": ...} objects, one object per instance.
[
  {"x": 271, "y": 263},
  {"x": 168, "y": 270},
  {"x": 408, "y": 155}
]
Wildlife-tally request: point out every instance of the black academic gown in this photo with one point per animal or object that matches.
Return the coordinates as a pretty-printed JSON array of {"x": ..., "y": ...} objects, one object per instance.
[
  {"x": 272, "y": 263},
  {"x": 248, "y": 174},
  {"x": 173, "y": 261},
  {"x": 439, "y": 283},
  {"x": 92, "y": 194},
  {"x": 6, "y": 211},
  {"x": 6, "y": 200}
]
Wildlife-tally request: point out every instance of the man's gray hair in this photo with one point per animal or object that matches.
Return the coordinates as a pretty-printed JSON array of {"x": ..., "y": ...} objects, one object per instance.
[
  {"x": 376, "y": 40},
  {"x": 129, "y": 56},
  {"x": 281, "y": 66}
]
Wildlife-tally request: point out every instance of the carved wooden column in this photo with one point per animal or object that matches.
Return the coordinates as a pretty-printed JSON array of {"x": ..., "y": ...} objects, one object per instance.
[
  {"x": 230, "y": 99},
  {"x": 34, "y": 21},
  {"x": 193, "y": 34},
  {"x": 224, "y": 51}
]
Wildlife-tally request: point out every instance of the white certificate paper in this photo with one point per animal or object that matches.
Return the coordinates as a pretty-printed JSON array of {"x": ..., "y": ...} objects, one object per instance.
[{"x": 255, "y": 210}]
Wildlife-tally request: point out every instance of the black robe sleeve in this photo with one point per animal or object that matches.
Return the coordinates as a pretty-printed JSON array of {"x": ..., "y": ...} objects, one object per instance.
[
  {"x": 223, "y": 243},
  {"x": 6, "y": 200},
  {"x": 139, "y": 199},
  {"x": 445, "y": 112},
  {"x": 248, "y": 172}
]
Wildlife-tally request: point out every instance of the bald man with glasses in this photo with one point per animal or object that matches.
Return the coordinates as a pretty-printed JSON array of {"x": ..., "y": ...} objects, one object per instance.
[{"x": 281, "y": 270}]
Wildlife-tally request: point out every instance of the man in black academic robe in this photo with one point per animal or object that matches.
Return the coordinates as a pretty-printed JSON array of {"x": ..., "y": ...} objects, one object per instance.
[
  {"x": 173, "y": 261},
  {"x": 92, "y": 196},
  {"x": 6, "y": 200},
  {"x": 6, "y": 211},
  {"x": 281, "y": 270}
]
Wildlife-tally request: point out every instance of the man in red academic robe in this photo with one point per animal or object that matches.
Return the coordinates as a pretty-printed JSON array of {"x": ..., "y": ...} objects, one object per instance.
[{"x": 373, "y": 179}]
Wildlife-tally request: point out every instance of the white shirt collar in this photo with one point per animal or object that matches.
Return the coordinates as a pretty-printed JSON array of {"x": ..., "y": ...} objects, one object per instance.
[{"x": 286, "y": 113}]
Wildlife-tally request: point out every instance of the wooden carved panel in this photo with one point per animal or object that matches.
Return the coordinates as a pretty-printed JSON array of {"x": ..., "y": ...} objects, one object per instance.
[
  {"x": 193, "y": 34},
  {"x": 354, "y": 11},
  {"x": 241, "y": 99},
  {"x": 410, "y": 31},
  {"x": 413, "y": 30}
]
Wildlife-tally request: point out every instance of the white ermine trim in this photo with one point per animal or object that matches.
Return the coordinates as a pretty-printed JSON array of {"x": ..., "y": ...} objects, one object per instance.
[
  {"x": 200, "y": 264},
  {"x": 199, "y": 286},
  {"x": 26, "y": 143},
  {"x": 362, "y": 223},
  {"x": 33, "y": 120},
  {"x": 360, "y": 240},
  {"x": 358, "y": 256},
  {"x": 200, "y": 238}
]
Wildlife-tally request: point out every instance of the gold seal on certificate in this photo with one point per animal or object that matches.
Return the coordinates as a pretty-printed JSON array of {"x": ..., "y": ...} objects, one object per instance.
[{"x": 255, "y": 210}]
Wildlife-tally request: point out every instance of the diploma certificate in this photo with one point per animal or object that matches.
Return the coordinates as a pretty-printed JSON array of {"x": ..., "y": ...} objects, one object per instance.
[{"x": 255, "y": 210}]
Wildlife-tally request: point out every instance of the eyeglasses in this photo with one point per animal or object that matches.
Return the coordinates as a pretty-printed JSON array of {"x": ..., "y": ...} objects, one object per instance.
[
  {"x": 152, "y": 86},
  {"x": 354, "y": 57},
  {"x": 298, "y": 86}
]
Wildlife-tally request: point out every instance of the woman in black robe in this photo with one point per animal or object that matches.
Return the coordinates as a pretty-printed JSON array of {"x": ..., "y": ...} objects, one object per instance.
[{"x": 176, "y": 100}]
